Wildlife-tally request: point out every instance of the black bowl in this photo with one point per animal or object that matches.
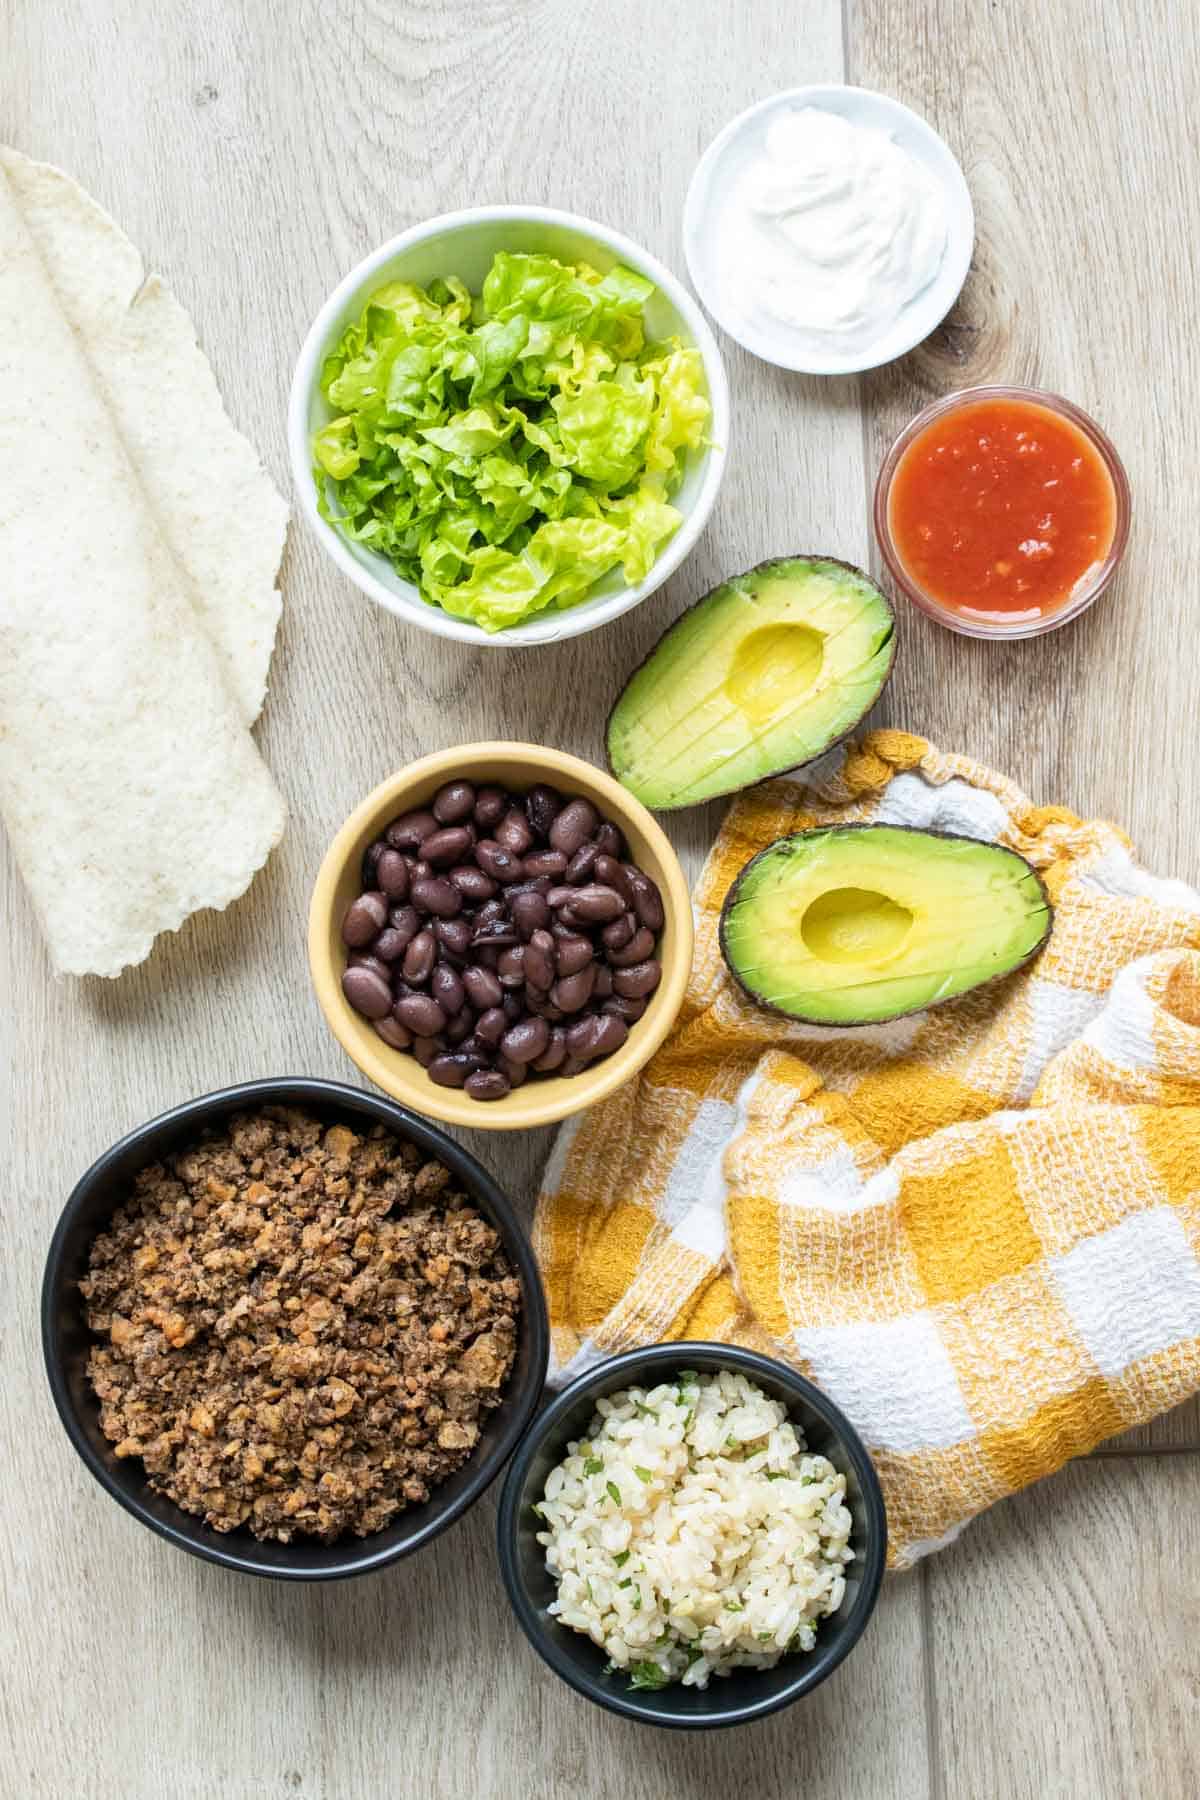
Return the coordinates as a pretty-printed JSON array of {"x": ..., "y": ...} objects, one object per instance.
[
  {"x": 66, "y": 1339},
  {"x": 745, "y": 1693}
]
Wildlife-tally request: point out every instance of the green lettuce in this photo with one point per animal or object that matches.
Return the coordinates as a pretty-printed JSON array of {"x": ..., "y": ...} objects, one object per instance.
[{"x": 506, "y": 452}]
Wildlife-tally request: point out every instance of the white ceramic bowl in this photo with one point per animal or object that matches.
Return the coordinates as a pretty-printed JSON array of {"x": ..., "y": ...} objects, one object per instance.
[
  {"x": 463, "y": 244},
  {"x": 722, "y": 164}
]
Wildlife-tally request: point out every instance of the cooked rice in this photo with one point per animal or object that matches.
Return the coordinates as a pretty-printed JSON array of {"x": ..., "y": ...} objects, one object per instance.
[{"x": 691, "y": 1533}]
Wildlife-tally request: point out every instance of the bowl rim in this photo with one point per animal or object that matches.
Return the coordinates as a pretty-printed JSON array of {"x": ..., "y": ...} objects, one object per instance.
[
  {"x": 1090, "y": 586},
  {"x": 960, "y": 243},
  {"x": 192, "y": 1534},
  {"x": 588, "y": 614},
  {"x": 450, "y": 1105},
  {"x": 817, "y": 1666}
]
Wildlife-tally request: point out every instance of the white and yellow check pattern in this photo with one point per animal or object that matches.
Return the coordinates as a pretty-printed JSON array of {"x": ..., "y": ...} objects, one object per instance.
[{"x": 977, "y": 1229}]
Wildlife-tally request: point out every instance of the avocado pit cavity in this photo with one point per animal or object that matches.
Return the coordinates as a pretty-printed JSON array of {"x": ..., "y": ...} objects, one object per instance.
[{"x": 855, "y": 925}]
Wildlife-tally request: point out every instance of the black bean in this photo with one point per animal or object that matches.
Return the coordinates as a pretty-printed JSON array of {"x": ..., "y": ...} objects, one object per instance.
[
  {"x": 513, "y": 832},
  {"x": 454, "y": 935},
  {"x": 553, "y": 1054},
  {"x": 511, "y": 967},
  {"x": 498, "y": 862},
  {"x": 425, "y": 1049},
  {"x": 482, "y": 987},
  {"x": 622, "y": 1008},
  {"x": 574, "y": 824},
  {"x": 491, "y": 804},
  {"x": 491, "y": 1026},
  {"x": 639, "y": 947},
  {"x": 367, "y": 992},
  {"x": 609, "y": 841},
  {"x": 357, "y": 960},
  {"x": 486, "y": 955},
  {"x": 472, "y": 883},
  {"x": 598, "y": 905},
  {"x": 539, "y": 963},
  {"x": 446, "y": 847},
  {"x": 583, "y": 1038},
  {"x": 512, "y": 1007},
  {"x": 452, "y": 1069},
  {"x": 420, "y": 957},
  {"x": 580, "y": 867},
  {"x": 514, "y": 1072},
  {"x": 410, "y": 830},
  {"x": 497, "y": 934},
  {"x": 541, "y": 884},
  {"x": 611, "y": 1035},
  {"x": 560, "y": 896},
  {"x": 640, "y": 980},
  {"x": 525, "y": 1041},
  {"x": 603, "y": 985},
  {"x": 391, "y": 874},
  {"x": 420, "y": 1014},
  {"x": 570, "y": 1067},
  {"x": 393, "y": 1033},
  {"x": 487, "y": 1084},
  {"x": 390, "y": 944},
  {"x": 370, "y": 861},
  {"x": 610, "y": 872},
  {"x": 364, "y": 919},
  {"x": 647, "y": 901},
  {"x": 405, "y": 920},
  {"x": 491, "y": 909},
  {"x": 542, "y": 806},
  {"x": 436, "y": 896},
  {"x": 461, "y": 1027},
  {"x": 447, "y": 989},
  {"x": 419, "y": 870},
  {"x": 545, "y": 862},
  {"x": 541, "y": 1006},
  {"x": 572, "y": 992},
  {"x": 529, "y": 912},
  {"x": 618, "y": 934},
  {"x": 454, "y": 801},
  {"x": 572, "y": 954}
]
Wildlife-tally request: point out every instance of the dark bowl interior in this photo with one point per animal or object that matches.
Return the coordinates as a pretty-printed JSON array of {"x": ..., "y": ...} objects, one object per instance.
[
  {"x": 66, "y": 1339},
  {"x": 746, "y": 1693}
]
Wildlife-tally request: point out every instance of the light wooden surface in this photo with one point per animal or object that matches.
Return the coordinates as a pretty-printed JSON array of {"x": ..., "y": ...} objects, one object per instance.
[{"x": 254, "y": 152}]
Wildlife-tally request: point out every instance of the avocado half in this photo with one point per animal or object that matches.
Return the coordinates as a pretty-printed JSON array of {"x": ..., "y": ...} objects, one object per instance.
[
  {"x": 854, "y": 924},
  {"x": 761, "y": 675}
]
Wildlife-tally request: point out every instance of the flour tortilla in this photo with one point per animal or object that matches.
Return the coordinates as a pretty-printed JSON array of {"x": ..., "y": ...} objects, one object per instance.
[
  {"x": 129, "y": 784},
  {"x": 216, "y": 506}
]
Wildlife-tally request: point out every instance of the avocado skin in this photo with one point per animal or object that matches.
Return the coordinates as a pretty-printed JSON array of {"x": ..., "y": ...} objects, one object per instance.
[
  {"x": 762, "y": 568},
  {"x": 921, "y": 831}
]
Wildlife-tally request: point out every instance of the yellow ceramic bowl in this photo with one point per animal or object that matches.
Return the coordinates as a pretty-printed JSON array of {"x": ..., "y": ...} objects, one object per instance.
[{"x": 542, "y": 1099}]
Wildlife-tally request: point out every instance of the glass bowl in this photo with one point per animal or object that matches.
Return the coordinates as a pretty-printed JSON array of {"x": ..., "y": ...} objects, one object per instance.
[{"x": 1093, "y": 582}]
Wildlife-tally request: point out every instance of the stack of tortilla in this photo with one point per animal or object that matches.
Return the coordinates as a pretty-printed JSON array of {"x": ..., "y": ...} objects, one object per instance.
[{"x": 140, "y": 539}]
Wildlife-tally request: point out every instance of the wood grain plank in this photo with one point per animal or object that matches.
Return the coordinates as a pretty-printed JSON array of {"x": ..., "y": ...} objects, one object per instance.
[
  {"x": 1075, "y": 132},
  {"x": 254, "y": 154},
  {"x": 1063, "y": 1637}
]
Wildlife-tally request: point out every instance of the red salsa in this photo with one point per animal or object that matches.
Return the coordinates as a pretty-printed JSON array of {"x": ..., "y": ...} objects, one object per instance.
[{"x": 999, "y": 508}]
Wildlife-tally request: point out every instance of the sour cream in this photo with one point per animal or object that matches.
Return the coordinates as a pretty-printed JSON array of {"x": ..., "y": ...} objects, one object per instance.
[{"x": 830, "y": 231}]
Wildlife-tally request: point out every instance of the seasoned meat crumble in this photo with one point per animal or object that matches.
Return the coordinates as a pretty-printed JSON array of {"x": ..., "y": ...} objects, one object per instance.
[{"x": 304, "y": 1326}]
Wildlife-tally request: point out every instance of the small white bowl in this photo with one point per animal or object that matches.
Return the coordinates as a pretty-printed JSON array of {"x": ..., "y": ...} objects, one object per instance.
[
  {"x": 724, "y": 161},
  {"x": 463, "y": 244}
]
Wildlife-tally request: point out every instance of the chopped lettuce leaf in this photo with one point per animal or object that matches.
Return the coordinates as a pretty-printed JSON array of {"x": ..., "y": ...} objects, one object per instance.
[{"x": 508, "y": 452}]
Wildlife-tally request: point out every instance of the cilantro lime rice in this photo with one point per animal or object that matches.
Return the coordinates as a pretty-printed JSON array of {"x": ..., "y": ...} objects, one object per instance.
[
  {"x": 506, "y": 451},
  {"x": 691, "y": 1533}
]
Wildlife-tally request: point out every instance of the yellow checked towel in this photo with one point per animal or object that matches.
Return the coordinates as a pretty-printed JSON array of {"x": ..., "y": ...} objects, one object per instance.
[{"x": 977, "y": 1229}]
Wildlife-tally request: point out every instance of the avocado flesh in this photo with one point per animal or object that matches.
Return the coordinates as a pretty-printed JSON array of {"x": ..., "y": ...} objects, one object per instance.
[
  {"x": 761, "y": 675},
  {"x": 856, "y": 924}
]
